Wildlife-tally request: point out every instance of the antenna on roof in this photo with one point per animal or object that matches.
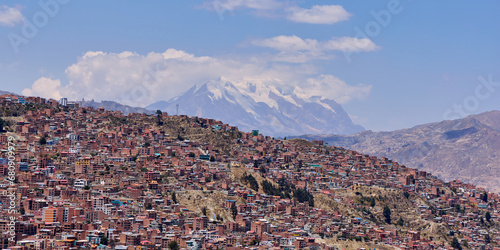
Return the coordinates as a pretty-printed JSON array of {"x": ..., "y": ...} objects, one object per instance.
[{"x": 177, "y": 109}]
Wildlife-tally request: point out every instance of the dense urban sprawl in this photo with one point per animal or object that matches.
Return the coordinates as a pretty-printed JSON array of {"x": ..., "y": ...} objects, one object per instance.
[{"x": 97, "y": 179}]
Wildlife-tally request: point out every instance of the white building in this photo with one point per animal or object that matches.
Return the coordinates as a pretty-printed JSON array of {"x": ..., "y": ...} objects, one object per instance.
[{"x": 80, "y": 183}]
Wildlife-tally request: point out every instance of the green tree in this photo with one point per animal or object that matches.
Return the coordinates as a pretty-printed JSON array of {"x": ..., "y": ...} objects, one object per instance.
[
  {"x": 255, "y": 164},
  {"x": 86, "y": 187},
  {"x": 484, "y": 197},
  {"x": 262, "y": 169},
  {"x": 302, "y": 195},
  {"x": 174, "y": 197},
  {"x": 204, "y": 211},
  {"x": 3, "y": 123},
  {"x": 21, "y": 210},
  {"x": 234, "y": 211},
  {"x": 487, "y": 239},
  {"x": 191, "y": 154},
  {"x": 455, "y": 244},
  {"x": 173, "y": 245},
  {"x": 43, "y": 140},
  {"x": 149, "y": 206},
  {"x": 488, "y": 216},
  {"x": 104, "y": 240},
  {"x": 387, "y": 214},
  {"x": 372, "y": 202},
  {"x": 212, "y": 158},
  {"x": 270, "y": 189},
  {"x": 158, "y": 117},
  {"x": 406, "y": 194},
  {"x": 400, "y": 221},
  {"x": 208, "y": 179},
  {"x": 248, "y": 179}
]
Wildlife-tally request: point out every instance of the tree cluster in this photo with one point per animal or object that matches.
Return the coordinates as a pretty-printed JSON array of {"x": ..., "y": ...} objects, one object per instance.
[
  {"x": 248, "y": 179},
  {"x": 302, "y": 195},
  {"x": 387, "y": 214}
]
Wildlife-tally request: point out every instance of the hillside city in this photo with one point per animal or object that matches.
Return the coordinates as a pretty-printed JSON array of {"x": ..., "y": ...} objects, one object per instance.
[{"x": 90, "y": 178}]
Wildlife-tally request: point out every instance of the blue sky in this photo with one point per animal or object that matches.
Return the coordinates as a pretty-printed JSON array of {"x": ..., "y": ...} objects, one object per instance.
[{"x": 423, "y": 65}]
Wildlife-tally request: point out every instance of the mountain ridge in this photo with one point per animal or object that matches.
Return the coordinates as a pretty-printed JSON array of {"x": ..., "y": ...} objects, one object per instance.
[
  {"x": 272, "y": 110},
  {"x": 115, "y": 106},
  {"x": 465, "y": 149}
]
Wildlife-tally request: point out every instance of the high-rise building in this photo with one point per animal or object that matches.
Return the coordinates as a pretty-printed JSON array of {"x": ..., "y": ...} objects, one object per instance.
[
  {"x": 57, "y": 214},
  {"x": 49, "y": 214},
  {"x": 63, "y": 101}
]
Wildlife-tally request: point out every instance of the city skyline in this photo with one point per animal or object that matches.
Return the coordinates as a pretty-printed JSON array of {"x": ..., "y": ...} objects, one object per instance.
[{"x": 392, "y": 64}]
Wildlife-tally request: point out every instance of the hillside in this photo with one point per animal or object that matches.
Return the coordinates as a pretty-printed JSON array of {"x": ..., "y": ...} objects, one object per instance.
[
  {"x": 467, "y": 149},
  {"x": 172, "y": 170}
]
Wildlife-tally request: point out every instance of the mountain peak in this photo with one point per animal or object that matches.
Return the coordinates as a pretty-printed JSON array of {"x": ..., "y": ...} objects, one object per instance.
[{"x": 257, "y": 105}]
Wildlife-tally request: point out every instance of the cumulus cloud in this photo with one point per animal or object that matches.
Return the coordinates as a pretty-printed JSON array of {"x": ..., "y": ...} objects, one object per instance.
[
  {"x": 46, "y": 88},
  {"x": 139, "y": 80},
  {"x": 318, "y": 14},
  {"x": 10, "y": 16},
  {"x": 297, "y": 50},
  {"x": 331, "y": 87}
]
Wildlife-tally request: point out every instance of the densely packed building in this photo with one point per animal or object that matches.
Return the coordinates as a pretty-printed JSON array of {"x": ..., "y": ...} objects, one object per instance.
[{"x": 96, "y": 179}]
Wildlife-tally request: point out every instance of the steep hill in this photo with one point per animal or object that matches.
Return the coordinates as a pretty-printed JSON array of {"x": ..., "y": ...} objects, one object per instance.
[{"x": 466, "y": 149}]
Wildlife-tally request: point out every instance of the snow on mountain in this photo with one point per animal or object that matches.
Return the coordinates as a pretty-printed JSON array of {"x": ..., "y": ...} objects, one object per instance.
[{"x": 265, "y": 107}]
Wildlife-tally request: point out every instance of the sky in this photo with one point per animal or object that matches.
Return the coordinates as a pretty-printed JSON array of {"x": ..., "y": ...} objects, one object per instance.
[{"x": 391, "y": 64}]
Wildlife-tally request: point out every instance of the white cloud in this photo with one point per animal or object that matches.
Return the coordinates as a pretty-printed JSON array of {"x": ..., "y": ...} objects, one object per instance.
[
  {"x": 10, "y": 16},
  {"x": 296, "y": 50},
  {"x": 350, "y": 44},
  {"x": 139, "y": 80},
  {"x": 318, "y": 14},
  {"x": 288, "y": 43},
  {"x": 331, "y": 87},
  {"x": 46, "y": 88},
  {"x": 231, "y": 5}
]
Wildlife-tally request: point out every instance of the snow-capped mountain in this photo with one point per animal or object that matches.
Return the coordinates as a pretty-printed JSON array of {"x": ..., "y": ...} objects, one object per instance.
[{"x": 264, "y": 107}]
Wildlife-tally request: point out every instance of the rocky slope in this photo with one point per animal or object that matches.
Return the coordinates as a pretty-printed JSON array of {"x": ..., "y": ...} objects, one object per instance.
[{"x": 465, "y": 149}]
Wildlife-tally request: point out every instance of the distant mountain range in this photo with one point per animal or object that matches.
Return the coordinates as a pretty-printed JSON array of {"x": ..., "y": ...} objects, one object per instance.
[
  {"x": 7, "y": 93},
  {"x": 111, "y": 105},
  {"x": 262, "y": 107},
  {"x": 466, "y": 149}
]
